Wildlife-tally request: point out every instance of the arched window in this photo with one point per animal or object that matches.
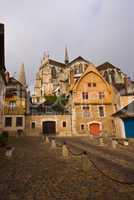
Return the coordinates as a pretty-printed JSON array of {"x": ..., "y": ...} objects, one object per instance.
[
  {"x": 80, "y": 68},
  {"x": 53, "y": 73},
  {"x": 113, "y": 76}
]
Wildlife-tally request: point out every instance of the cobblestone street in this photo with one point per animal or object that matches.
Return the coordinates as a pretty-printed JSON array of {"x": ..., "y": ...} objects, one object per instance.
[{"x": 36, "y": 172}]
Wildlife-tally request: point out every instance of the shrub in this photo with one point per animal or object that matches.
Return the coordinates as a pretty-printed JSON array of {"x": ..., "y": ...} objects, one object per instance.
[{"x": 3, "y": 138}]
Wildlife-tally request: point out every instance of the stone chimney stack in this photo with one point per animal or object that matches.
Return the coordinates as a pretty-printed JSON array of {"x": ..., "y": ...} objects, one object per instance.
[{"x": 22, "y": 76}]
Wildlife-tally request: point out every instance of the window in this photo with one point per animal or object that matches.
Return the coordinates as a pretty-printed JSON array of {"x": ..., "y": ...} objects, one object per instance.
[
  {"x": 89, "y": 84},
  {"x": 19, "y": 121},
  {"x": 115, "y": 106},
  {"x": 80, "y": 68},
  {"x": 86, "y": 112},
  {"x": 33, "y": 125},
  {"x": 86, "y": 108},
  {"x": 85, "y": 95},
  {"x": 38, "y": 99},
  {"x": 101, "y": 95},
  {"x": 64, "y": 124},
  {"x": 53, "y": 73},
  {"x": 12, "y": 105},
  {"x": 101, "y": 111},
  {"x": 82, "y": 127},
  {"x": 8, "y": 122}
]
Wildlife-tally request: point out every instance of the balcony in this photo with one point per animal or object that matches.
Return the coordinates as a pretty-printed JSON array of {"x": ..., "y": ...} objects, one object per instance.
[{"x": 19, "y": 110}]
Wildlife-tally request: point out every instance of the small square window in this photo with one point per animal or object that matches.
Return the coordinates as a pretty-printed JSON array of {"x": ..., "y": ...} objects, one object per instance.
[
  {"x": 82, "y": 126},
  {"x": 33, "y": 125},
  {"x": 89, "y": 84},
  {"x": 94, "y": 84},
  {"x": 86, "y": 108},
  {"x": 64, "y": 124}
]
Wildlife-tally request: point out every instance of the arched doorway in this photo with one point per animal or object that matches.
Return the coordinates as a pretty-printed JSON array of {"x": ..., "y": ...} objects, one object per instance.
[
  {"x": 95, "y": 128},
  {"x": 49, "y": 127}
]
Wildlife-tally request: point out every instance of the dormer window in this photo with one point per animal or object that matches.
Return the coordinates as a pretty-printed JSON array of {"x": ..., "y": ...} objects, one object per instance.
[
  {"x": 91, "y": 84},
  {"x": 94, "y": 84}
]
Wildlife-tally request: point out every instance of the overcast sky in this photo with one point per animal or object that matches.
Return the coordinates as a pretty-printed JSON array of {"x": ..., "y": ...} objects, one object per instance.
[{"x": 98, "y": 30}]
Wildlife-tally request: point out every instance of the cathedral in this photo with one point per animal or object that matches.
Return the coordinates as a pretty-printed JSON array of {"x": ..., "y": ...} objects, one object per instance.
[
  {"x": 51, "y": 79},
  {"x": 74, "y": 98}
]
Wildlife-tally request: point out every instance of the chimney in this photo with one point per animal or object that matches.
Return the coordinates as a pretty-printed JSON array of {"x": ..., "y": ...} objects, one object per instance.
[{"x": 2, "y": 47}]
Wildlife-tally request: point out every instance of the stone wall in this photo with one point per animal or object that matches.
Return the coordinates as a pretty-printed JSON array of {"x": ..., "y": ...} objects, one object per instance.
[
  {"x": 39, "y": 119},
  {"x": 13, "y": 128}
]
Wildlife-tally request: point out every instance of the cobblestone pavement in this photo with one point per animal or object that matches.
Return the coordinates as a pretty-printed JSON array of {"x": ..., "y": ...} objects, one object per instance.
[{"x": 36, "y": 172}]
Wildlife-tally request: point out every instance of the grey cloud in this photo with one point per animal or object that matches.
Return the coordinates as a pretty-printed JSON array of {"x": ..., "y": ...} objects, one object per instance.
[{"x": 99, "y": 30}]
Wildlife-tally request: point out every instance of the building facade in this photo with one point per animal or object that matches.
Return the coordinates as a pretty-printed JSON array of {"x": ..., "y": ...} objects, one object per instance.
[
  {"x": 70, "y": 99},
  {"x": 2, "y": 75},
  {"x": 51, "y": 79},
  {"x": 14, "y": 106},
  {"x": 92, "y": 103}
]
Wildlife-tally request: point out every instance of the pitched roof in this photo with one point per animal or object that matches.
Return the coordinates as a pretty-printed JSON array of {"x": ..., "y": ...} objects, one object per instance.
[
  {"x": 91, "y": 68},
  {"x": 105, "y": 66},
  {"x": 54, "y": 62},
  {"x": 79, "y": 58},
  {"x": 126, "y": 112}
]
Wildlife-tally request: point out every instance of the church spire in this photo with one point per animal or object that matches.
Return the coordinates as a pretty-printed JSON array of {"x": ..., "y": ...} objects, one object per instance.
[
  {"x": 66, "y": 56},
  {"x": 22, "y": 77}
]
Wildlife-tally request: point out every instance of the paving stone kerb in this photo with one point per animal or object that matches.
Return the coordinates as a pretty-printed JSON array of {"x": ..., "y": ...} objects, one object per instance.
[{"x": 37, "y": 172}]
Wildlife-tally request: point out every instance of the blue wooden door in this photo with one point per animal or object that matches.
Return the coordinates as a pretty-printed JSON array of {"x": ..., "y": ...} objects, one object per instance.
[{"x": 129, "y": 128}]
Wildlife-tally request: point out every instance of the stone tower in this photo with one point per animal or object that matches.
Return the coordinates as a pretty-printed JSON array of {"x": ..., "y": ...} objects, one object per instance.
[
  {"x": 22, "y": 76},
  {"x": 66, "y": 56}
]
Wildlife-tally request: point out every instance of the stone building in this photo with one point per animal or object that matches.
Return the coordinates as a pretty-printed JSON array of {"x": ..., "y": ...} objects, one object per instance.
[
  {"x": 70, "y": 99},
  {"x": 123, "y": 85},
  {"x": 2, "y": 75},
  {"x": 92, "y": 95},
  {"x": 15, "y": 105},
  {"x": 117, "y": 78},
  {"x": 51, "y": 79},
  {"x": 92, "y": 104}
]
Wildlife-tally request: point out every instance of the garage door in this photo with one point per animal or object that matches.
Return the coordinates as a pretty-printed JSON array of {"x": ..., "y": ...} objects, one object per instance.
[
  {"x": 94, "y": 129},
  {"x": 129, "y": 128},
  {"x": 49, "y": 127}
]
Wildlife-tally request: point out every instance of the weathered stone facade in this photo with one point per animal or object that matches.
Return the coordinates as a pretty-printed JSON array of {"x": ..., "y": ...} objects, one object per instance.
[
  {"x": 34, "y": 124},
  {"x": 93, "y": 102},
  {"x": 72, "y": 99},
  {"x": 51, "y": 79},
  {"x": 15, "y": 106}
]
